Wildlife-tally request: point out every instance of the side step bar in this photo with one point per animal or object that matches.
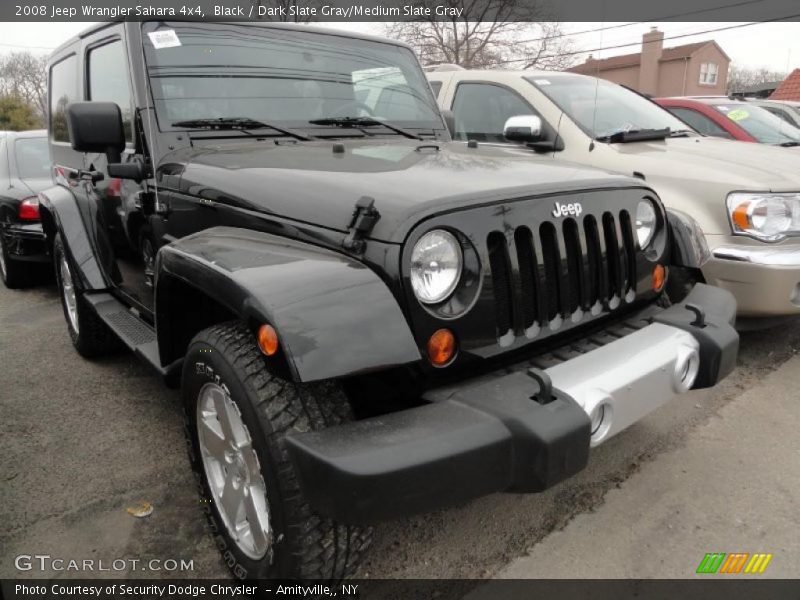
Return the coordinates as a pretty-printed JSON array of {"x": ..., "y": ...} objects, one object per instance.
[{"x": 134, "y": 332}]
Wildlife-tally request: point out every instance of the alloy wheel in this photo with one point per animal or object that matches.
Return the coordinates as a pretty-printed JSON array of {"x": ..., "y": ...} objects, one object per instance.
[{"x": 233, "y": 471}]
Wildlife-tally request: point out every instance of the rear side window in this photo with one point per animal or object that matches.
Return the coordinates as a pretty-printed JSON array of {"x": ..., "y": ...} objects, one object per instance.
[
  {"x": 63, "y": 90},
  {"x": 698, "y": 121},
  {"x": 482, "y": 109},
  {"x": 109, "y": 81},
  {"x": 32, "y": 158}
]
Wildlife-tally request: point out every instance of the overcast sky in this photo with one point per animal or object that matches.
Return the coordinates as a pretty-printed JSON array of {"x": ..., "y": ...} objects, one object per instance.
[{"x": 773, "y": 45}]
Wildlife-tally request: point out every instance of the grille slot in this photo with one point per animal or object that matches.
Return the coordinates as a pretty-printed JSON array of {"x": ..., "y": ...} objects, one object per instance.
[
  {"x": 579, "y": 265},
  {"x": 572, "y": 243},
  {"x": 613, "y": 257},
  {"x": 630, "y": 247},
  {"x": 528, "y": 276},
  {"x": 500, "y": 264},
  {"x": 553, "y": 289}
]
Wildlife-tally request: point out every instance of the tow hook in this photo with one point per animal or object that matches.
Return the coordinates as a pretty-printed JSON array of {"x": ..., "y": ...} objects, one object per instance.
[
  {"x": 545, "y": 393},
  {"x": 700, "y": 315}
]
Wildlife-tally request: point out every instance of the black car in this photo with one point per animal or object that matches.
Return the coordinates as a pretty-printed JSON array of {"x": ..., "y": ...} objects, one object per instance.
[
  {"x": 366, "y": 319},
  {"x": 24, "y": 171}
]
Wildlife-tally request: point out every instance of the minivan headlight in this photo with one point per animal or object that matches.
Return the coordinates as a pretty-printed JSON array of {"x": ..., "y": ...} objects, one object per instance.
[
  {"x": 767, "y": 217},
  {"x": 645, "y": 222},
  {"x": 436, "y": 264}
]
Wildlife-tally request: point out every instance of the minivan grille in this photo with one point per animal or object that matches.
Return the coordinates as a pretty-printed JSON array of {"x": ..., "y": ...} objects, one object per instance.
[{"x": 561, "y": 270}]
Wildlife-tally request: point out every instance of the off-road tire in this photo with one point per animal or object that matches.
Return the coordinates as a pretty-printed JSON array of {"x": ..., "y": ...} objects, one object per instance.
[
  {"x": 14, "y": 273},
  {"x": 93, "y": 337},
  {"x": 304, "y": 544}
]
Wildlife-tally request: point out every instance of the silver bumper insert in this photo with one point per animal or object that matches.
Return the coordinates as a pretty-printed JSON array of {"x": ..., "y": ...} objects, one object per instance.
[
  {"x": 621, "y": 382},
  {"x": 779, "y": 256}
]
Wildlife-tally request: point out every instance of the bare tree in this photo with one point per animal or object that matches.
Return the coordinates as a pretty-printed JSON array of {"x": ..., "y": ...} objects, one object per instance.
[
  {"x": 23, "y": 75},
  {"x": 489, "y": 33},
  {"x": 741, "y": 77}
]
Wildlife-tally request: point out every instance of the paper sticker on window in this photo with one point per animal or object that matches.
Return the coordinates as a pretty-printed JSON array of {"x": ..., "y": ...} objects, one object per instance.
[
  {"x": 164, "y": 38},
  {"x": 543, "y": 82},
  {"x": 738, "y": 115}
]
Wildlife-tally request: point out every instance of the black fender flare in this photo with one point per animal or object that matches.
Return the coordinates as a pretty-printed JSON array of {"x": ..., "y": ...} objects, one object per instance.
[
  {"x": 334, "y": 316},
  {"x": 61, "y": 214},
  {"x": 689, "y": 246}
]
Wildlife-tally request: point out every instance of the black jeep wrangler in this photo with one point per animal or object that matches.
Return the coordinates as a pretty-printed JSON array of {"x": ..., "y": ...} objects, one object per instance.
[{"x": 365, "y": 318}]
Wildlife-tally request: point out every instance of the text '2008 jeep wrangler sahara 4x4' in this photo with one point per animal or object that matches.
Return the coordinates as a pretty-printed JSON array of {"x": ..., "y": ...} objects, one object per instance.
[{"x": 366, "y": 319}]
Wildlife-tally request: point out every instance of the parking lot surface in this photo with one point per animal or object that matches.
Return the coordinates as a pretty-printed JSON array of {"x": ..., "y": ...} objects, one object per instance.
[{"x": 80, "y": 442}]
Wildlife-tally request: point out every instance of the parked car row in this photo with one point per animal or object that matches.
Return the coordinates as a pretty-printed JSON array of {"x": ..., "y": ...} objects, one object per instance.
[
  {"x": 24, "y": 171},
  {"x": 744, "y": 197},
  {"x": 377, "y": 305}
]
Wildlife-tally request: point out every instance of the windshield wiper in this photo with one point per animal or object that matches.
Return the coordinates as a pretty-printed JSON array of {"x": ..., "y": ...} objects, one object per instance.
[
  {"x": 363, "y": 122},
  {"x": 240, "y": 124},
  {"x": 635, "y": 135},
  {"x": 682, "y": 133},
  {"x": 789, "y": 144}
]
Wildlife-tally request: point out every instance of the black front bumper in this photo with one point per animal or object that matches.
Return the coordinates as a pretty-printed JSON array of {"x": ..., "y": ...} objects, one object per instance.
[
  {"x": 486, "y": 435},
  {"x": 26, "y": 242}
]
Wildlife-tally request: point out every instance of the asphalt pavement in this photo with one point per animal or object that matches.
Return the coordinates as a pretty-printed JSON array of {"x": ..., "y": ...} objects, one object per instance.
[{"x": 81, "y": 442}]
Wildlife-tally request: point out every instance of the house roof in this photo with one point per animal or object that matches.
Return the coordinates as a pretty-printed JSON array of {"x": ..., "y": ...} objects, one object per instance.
[
  {"x": 632, "y": 60},
  {"x": 789, "y": 89}
]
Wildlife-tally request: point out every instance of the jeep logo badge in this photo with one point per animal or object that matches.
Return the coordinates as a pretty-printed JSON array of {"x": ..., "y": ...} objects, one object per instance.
[{"x": 561, "y": 210}]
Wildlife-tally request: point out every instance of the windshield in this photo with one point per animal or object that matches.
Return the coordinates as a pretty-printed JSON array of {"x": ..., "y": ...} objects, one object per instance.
[
  {"x": 602, "y": 108},
  {"x": 281, "y": 76},
  {"x": 760, "y": 123},
  {"x": 33, "y": 158}
]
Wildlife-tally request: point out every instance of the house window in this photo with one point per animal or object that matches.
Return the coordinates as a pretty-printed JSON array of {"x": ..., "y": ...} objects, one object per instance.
[{"x": 708, "y": 73}]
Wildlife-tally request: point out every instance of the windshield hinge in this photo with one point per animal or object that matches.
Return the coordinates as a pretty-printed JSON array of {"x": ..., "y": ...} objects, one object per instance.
[{"x": 364, "y": 218}]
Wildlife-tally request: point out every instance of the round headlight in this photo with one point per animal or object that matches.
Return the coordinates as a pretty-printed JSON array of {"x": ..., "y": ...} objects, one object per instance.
[
  {"x": 645, "y": 222},
  {"x": 435, "y": 266}
]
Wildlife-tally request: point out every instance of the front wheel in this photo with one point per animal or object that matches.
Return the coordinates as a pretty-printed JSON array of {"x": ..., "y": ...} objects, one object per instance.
[{"x": 237, "y": 413}]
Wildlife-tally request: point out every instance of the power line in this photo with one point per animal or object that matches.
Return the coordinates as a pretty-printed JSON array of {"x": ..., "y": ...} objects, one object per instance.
[
  {"x": 673, "y": 37},
  {"x": 661, "y": 18},
  {"x": 29, "y": 47}
]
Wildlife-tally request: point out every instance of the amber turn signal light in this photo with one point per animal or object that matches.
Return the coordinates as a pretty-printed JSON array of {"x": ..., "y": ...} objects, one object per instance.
[
  {"x": 659, "y": 277},
  {"x": 441, "y": 347},
  {"x": 268, "y": 339}
]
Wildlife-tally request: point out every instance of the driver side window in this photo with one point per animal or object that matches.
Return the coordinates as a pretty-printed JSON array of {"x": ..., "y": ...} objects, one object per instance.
[{"x": 482, "y": 109}]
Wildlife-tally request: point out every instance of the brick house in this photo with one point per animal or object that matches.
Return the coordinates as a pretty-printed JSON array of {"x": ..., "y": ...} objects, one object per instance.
[
  {"x": 789, "y": 89},
  {"x": 699, "y": 69}
]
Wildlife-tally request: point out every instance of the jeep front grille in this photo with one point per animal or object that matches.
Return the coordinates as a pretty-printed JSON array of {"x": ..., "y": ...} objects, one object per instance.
[{"x": 564, "y": 269}]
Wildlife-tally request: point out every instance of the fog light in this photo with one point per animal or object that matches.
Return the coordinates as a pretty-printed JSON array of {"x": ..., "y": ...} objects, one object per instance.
[
  {"x": 441, "y": 347},
  {"x": 687, "y": 366},
  {"x": 267, "y": 339}
]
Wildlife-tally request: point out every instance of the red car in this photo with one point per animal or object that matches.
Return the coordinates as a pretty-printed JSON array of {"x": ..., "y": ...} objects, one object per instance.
[{"x": 733, "y": 119}]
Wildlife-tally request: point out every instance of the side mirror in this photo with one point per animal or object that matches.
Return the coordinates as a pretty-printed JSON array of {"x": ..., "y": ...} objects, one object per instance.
[
  {"x": 523, "y": 128},
  {"x": 450, "y": 121},
  {"x": 96, "y": 127}
]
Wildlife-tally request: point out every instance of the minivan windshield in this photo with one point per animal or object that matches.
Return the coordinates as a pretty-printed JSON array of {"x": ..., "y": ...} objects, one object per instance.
[
  {"x": 602, "y": 108},
  {"x": 286, "y": 77},
  {"x": 760, "y": 123}
]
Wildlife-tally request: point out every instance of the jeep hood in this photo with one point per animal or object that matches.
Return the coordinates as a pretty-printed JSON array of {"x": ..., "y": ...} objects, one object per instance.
[
  {"x": 410, "y": 180},
  {"x": 728, "y": 164}
]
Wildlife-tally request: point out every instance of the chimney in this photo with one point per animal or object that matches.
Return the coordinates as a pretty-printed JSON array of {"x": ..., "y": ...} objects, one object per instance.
[{"x": 652, "y": 46}]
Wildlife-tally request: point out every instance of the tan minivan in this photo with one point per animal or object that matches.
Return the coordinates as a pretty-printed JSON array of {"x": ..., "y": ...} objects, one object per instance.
[{"x": 745, "y": 197}]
